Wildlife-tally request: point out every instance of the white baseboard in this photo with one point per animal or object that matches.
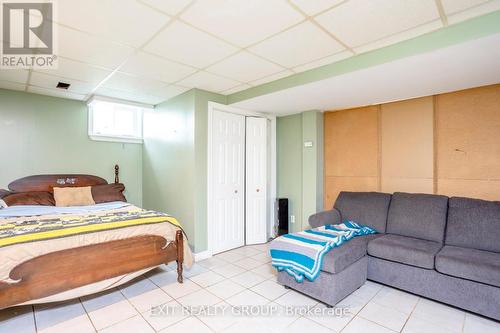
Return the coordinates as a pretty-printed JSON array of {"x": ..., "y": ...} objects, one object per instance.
[{"x": 202, "y": 255}]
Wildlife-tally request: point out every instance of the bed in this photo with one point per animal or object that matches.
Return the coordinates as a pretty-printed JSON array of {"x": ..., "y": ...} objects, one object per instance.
[{"x": 50, "y": 253}]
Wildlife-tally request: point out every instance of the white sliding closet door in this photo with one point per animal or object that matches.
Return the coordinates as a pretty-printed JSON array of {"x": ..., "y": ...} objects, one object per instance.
[
  {"x": 256, "y": 180},
  {"x": 228, "y": 170}
]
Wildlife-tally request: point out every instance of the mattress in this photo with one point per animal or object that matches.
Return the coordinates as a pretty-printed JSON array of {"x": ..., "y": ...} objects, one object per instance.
[{"x": 15, "y": 253}]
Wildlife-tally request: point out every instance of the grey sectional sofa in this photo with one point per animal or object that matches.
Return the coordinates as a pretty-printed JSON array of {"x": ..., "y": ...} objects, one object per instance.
[{"x": 446, "y": 249}]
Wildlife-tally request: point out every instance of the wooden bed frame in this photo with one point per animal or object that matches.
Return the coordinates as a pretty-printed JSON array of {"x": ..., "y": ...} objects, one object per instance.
[{"x": 60, "y": 271}]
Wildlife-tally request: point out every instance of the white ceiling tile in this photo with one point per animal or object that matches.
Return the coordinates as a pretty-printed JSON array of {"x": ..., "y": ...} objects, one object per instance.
[
  {"x": 14, "y": 75},
  {"x": 124, "y": 21},
  {"x": 172, "y": 91},
  {"x": 125, "y": 95},
  {"x": 313, "y": 7},
  {"x": 86, "y": 48},
  {"x": 12, "y": 85},
  {"x": 77, "y": 70},
  {"x": 126, "y": 82},
  {"x": 271, "y": 78},
  {"x": 50, "y": 82},
  {"x": 479, "y": 10},
  {"x": 324, "y": 61},
  {"x": 409, "y": 34},
  {"x": 236, "y": 89},
  {"x": 137, "y": 96},
  {"x": 208, "y": 81},
  {"x": 244, "y": 67},
  {"x": 152, "y": 100},
  {"x": 303, "y": 43},
  {"x": 171, "y": 7},
  {"x": 55, "y": 93},
  {"x": 358, "y": 22},
  {"x": 182, "y": 43},
  {"x": 242, "y": 22},
  {"x": 155, "y": 67},
  {"x": 453, "y": 6}
]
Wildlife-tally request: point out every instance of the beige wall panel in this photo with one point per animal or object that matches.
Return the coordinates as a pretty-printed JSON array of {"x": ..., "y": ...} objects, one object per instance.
[
  {"x": 468, "y": 140},
  {"x": 407, "y": 139},
  {"x": 411, "y": 185},
  {"x": 480, "y": 189},
  {"x": 351, "y": 142},
  {"x": 449, "y": 143},
  {"x": 333, "y": 186}
]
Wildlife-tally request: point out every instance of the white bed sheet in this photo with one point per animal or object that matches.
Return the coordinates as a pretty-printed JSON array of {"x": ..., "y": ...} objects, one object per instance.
[{"x": 20, "y": 211}]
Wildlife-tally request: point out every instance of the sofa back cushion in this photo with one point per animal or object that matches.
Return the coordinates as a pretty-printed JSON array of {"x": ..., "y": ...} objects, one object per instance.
[
  {"x": 474, "y": 223},
  {"x": 418, "y": 215},
  {"x": 368, "y": 208}
]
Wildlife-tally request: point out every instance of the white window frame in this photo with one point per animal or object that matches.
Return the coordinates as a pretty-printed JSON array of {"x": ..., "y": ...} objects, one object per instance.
[{"x": 115, "y": 138}]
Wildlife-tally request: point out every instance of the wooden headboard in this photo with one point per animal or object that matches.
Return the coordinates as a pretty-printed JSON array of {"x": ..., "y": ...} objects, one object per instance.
[{"x": 46, "y": 183}]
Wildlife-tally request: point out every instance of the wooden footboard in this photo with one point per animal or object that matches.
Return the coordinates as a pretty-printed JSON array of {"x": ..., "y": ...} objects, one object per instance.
[{"x": 65, "y": 270}]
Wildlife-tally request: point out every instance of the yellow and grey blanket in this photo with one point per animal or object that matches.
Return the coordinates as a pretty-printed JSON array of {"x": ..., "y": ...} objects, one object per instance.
[{"x": 38, "y": 228}]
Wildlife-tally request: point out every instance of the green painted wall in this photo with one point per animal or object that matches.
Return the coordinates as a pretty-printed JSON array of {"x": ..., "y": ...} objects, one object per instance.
[
  {"x": 175, "y": 161},
  {"x": 168, "y": 160},
  {"x": 41, "y": 134},
  {"x": 312, "y": 165},
  {"x": 299, "y": 168},
  {"x": 289, "y": 165}
]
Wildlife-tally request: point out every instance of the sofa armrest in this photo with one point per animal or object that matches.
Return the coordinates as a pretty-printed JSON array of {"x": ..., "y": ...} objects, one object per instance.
[{"x": 324, "y": 218}]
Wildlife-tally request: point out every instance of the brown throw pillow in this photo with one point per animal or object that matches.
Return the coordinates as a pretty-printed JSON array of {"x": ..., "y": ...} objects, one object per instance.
[
  {"x": 29, "y": 198},
  {"x": 73, "y": 196},
  {"x": 108, "y": 193}
]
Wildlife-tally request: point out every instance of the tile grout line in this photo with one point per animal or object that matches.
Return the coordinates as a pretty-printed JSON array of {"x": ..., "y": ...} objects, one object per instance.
[
  {"x": 245, "y": 288},
  {"x": 34, "y": 318},
  {"x": 356, "y": 315},
  {"x": 222, "y": 299},
  {"x": 463, "y": 322},
  {"x": 86, "y": 312},
  {"x": 369, "y": 300},
  {"x": 136, "y": 309},
  {"x": 270, "y": 300},
  {"x": 389, "y": 308},
  {"x": 411, "y": 313}
]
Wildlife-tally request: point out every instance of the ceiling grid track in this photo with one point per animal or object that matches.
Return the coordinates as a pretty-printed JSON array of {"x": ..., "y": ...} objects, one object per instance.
[
  {"x": 442, "y": 13},
  {"x": 165, "y": 26},
  {"x": 269, "y": 65}
]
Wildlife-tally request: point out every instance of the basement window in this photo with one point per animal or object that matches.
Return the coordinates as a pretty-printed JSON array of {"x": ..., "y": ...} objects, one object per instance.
[{"x": 115, "y": 120}]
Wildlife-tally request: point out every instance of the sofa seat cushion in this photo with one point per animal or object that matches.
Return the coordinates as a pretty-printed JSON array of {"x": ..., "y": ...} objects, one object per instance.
[
  {"x": 339, "y": 258},
  {"x": 406, "y": 250},
  {"x": 471, "y": 264}
]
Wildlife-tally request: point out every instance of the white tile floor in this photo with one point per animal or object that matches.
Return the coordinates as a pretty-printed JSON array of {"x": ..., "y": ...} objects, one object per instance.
[{"x": 239, "y": 277}]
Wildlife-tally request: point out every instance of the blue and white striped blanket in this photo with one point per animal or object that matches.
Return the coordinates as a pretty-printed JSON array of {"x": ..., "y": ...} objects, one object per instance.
[{"x": 301, "y": 254}]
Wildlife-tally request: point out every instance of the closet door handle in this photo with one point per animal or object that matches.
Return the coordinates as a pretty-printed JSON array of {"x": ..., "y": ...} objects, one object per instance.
[
  {"x": 236, "y": 191},
  {"x": 258, "y": 190}
]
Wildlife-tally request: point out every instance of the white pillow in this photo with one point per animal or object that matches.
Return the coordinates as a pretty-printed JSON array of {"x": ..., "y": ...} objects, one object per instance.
[{"x": 3, "y": 204}]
